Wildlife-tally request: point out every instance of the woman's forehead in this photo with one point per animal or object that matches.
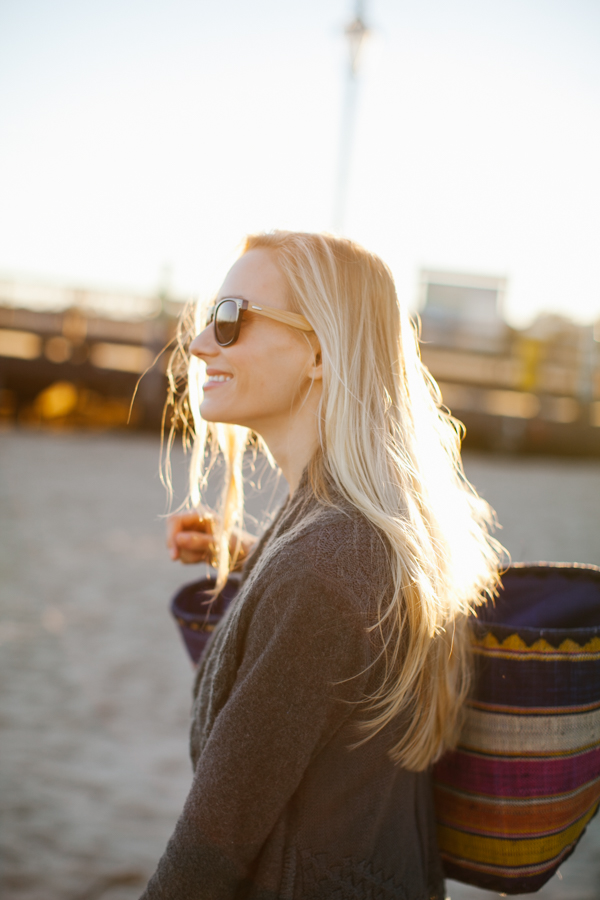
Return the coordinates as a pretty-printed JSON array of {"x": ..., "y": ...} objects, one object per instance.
[{"x": 255, "y": 276}]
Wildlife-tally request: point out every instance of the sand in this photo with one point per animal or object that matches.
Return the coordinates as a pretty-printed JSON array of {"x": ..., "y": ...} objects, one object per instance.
[{"x": 95, "y": 682}]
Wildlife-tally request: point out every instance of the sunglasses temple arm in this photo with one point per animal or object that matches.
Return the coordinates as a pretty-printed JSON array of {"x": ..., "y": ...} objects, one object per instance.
[{"x": 280, "y": 315}]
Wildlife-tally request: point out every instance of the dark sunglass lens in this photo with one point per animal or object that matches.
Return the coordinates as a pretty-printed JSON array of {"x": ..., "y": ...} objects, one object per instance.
[{"x": 226, "y": 321}]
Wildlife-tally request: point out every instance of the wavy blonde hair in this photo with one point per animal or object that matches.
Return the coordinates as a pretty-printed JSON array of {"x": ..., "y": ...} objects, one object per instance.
[{"x": 392, "y": 450}]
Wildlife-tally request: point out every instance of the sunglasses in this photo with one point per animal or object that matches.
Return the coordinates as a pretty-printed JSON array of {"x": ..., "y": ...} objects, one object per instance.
[{"x": 226, "y": 315}]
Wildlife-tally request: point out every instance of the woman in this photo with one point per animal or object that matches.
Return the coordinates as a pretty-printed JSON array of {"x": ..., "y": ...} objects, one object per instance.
[{"x": 338, "y": 675}]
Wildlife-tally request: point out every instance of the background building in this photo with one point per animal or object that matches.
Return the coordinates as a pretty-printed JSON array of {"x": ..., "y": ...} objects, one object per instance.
[{"x": 463, "y": 310}]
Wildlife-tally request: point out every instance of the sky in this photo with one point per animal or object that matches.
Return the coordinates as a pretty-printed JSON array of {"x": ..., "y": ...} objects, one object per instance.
[{"x": 140, "y": 141}]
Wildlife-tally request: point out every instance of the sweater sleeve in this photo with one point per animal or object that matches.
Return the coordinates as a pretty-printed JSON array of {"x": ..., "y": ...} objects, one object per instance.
[{"x": 303, "y": 669}]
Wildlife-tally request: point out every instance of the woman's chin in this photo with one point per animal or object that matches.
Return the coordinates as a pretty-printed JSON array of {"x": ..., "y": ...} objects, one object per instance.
[
  {"x": 220, "y": 417},
  {"x": 211, "y": 413}
]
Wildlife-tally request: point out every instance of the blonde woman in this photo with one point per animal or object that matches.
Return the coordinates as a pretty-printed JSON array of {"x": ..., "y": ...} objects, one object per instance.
[{"x": 337, "y": 676}]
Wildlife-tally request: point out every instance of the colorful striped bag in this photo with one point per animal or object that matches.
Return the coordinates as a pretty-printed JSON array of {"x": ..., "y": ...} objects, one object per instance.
[{"x": 514, "y": 798}]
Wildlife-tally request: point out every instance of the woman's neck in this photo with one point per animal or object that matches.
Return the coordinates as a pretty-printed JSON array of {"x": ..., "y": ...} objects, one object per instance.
[
  {"x": 292, "y": 455},
  {"x": 292, "y": 446}
]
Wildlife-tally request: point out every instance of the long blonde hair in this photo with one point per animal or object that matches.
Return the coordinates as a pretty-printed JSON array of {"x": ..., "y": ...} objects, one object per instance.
[{"x": 393, "y": 451}]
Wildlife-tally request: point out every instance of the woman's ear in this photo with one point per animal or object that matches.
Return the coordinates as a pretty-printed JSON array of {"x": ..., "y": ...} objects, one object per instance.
[{"x": 316, "y": 369}]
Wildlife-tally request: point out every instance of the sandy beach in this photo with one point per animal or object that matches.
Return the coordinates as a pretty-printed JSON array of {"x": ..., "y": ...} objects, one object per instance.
[{"x": 95, "y": 682}]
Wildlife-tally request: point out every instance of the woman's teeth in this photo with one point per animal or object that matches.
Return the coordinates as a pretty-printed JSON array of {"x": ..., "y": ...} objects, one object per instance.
[{"x": 219, "y": 378}]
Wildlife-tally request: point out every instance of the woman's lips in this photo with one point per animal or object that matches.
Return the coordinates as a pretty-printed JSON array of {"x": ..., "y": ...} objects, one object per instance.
[{"x": 216, "y": 379}]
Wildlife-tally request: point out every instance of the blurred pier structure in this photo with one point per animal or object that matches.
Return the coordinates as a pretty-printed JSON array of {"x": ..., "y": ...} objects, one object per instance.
[
  {"x": 535, "y": 390},
  {"x": 532, "y": 390},
  {"x": 79, "y": 364}
]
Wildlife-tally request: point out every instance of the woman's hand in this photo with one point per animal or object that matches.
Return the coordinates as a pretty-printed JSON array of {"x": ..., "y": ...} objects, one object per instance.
[{"x": 190, "y": 537}]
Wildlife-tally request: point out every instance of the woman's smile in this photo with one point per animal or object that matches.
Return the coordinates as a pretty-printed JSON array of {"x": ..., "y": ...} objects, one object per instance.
[{"x": 215, "y": 378}]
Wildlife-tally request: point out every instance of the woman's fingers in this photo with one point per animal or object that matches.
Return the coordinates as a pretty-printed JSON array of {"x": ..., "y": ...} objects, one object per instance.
[
  {"x": 194, "y": 540},
  {"x": 190, "y": 521},
  {"x": 197, "y": 524},
  {"x": 193, "y": 547},
  {"x": 190, "y": 537},
  {"x": 188, "y": 558}
]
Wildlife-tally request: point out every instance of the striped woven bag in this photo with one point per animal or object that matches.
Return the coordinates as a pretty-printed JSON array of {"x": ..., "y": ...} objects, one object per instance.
[{"x": 514, "y": 798}]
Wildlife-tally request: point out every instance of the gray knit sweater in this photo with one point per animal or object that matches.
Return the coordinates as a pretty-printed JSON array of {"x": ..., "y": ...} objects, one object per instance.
[{"x": 281, "y": 807}]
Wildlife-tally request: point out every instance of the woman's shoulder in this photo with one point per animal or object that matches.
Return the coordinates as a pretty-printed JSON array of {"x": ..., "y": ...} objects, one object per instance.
[
  {"x": 317, "y": 585},
  {"x": 338, "y": 546}
]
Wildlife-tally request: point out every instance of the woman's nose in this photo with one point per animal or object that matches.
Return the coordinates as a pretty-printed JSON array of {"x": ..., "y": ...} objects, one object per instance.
[{"x": 204, "y": 344}]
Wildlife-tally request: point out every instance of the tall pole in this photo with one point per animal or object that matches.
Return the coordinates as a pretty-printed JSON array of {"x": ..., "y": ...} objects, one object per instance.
[{"x": 355, "y": 33}]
